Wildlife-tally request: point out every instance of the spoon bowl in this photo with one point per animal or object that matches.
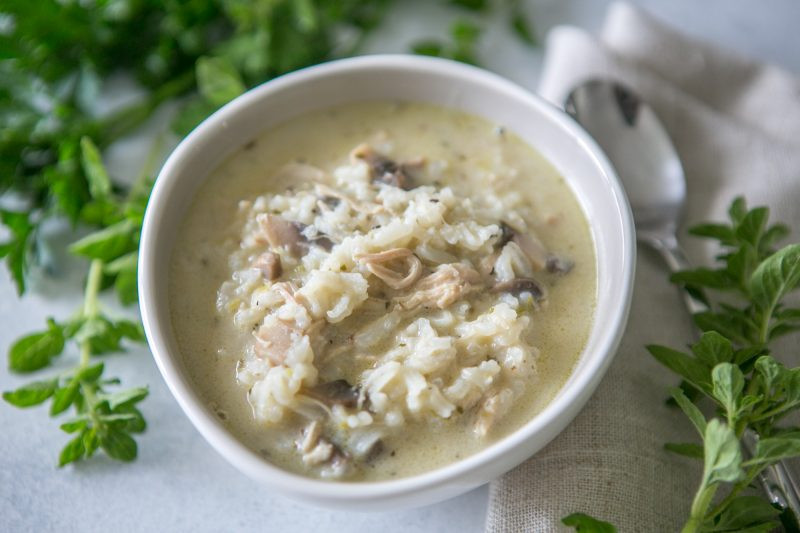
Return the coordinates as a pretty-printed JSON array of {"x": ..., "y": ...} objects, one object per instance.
[{"x": 639, "y": 147}]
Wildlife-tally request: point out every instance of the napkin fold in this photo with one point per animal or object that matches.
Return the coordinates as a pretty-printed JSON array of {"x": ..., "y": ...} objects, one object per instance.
[{"x": 736, "y": 125}]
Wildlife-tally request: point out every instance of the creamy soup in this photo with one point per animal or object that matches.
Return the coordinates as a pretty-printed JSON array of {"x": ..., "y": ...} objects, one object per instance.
[{"x": 377, "y": 290}]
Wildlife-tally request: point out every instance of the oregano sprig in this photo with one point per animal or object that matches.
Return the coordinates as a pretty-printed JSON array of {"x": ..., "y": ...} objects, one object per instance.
[
  {"x": 732, "y": 369},
  {"x": 102, "y": 418}
]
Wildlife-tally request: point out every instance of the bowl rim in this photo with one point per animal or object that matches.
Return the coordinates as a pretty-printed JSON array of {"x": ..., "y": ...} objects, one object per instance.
[{"x": 569, "y": 399}]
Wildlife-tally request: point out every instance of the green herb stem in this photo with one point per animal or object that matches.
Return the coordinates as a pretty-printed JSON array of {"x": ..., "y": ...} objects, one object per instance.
[
  {"x": 735, "y": 490},
  {"x": 763, "y": 334},
  {"x": 773, "y": 412},
  {"x": 92, "y": 288},
  {"x": 85, "y": 354},
  {"x": 700, "y": 505},
  {"x": 90, "y": 308}
]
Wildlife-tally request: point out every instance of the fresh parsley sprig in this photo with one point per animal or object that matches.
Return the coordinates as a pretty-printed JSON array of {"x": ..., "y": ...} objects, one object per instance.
[{"x": 731, "y": 365}]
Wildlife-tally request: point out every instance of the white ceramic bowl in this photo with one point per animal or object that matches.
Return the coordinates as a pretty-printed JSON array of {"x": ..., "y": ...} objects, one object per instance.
[{"x": 410, "y": 78}]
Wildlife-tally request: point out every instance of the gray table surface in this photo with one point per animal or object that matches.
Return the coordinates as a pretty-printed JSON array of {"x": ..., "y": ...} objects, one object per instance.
[{"x": 179, "y": 483}]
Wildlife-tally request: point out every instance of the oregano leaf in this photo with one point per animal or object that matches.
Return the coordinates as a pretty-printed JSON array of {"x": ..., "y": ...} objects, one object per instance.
[
  {"x": 31, "y": 394},
  {"x": 689, "y": 368},
  {"x": 775, "y": 277},
  {"x": 690, "y": 409},
  {"x": 73, "y": 451},
  {"x": 584, "y": 523},
  {"x": 35, "y": 351},
  {"x": 728, "y": 384},
  {"x": 722, "y": 454}
]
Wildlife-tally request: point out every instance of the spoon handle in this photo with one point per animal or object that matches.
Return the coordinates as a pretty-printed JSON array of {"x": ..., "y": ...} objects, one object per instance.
[
  {"x": 676, "y": 260},
  {"x": 777, "y": 480}
]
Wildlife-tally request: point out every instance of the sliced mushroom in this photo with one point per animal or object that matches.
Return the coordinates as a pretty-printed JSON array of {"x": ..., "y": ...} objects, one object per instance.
[
  {"x": 531, "y": 246},
  {"x": 444, "y": 286},
  {"x": 519, "y": 286},
  {"x": 280, "y": 233},
  {"x": 381, "y": 168},
  {"x": 397, "y": 280},
  {"x": 269, "y": 264},
  {"x": 506, "y": 234},
  {"x": 329, "y": 202},
  {"x": 323, "y": 242},
  {"x": 533, "y": 249},
  {"x": 559, "y": 265},
  {"x": 335, "y": 392}
]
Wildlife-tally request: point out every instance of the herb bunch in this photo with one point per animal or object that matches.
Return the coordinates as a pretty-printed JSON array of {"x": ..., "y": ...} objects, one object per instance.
[
  {"x": 56, "y": 59},
  {"x": 731, "y": 369},
  {"x": 102, "y": 419}
]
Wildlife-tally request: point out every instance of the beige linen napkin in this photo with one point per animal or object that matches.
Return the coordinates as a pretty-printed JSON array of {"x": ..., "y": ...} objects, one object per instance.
[{"x": 736, "y": 125}]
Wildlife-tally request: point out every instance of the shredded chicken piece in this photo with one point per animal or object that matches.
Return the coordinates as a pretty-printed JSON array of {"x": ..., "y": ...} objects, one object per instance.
[
  {"x": 338, "y": 465},
  {"x": 280, "y": 233},
  {"x": 269, "y": 264},
  {"x": 286, "y": 290},
  {"x": 318, "y": 451},
  {"x": 444, "y": 286},
  {"x": 274, "y": 336},
  {"x": 492, "y": 410},
  {"x": 328, "y": 192},
  {"x": 486, "y": 265},
  {"x": 394, "y": 279},
  {"x": 381, "y": 168},
  {"x": 312, "y": 446},
  {"x": 273, "y": 340}
]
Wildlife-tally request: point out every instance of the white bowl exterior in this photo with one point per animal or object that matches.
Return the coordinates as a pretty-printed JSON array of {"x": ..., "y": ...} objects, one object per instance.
[{"x": 381, "y": 77}]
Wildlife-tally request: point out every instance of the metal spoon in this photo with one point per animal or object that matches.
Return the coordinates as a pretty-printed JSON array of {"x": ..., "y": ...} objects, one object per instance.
[{"x": 638, "y": 146}]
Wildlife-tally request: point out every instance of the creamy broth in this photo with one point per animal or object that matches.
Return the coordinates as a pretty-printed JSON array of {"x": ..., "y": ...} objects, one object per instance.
[{"x": 461, "y": 151}]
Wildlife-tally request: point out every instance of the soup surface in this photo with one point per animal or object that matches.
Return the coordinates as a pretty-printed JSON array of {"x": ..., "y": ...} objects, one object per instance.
[{"x": 376, "y": 290}]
